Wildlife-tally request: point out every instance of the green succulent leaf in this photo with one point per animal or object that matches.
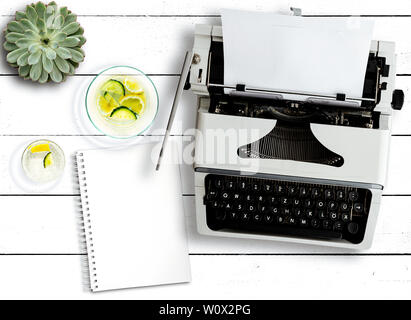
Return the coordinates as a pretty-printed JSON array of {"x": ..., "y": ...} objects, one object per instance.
[
  {"x": 14, "y": 55},
  {"x": 64, "y": 11},
  {"x": 23, "y": 59},
  {"x": 30, "y": 34},
  {"x": 60, "y": 36},
  {"x": 41, "y": 10},
  {"x": 24, "y": 43},
  {"x": 71, "y": 28},
  {"x": 77, "y": 54},
  {"x": 56, "y": 75},
  {"x": 24, "y": 71},
  {"x": 20, "y": 15},
  {"x": 50, "y": 53},
  {"x": 36, "y": 71},
  {"x": 34, "y": 57},
  {"x": 41, "y": 25},
  {"x": 14, "y": 26},
  {"x": 31, "y": 14},
  {"x": 14, "y": 36},
  {"x": 70, "y": 42},
  {"x": 27, "y": 24},
  {"x": 9, "y": 46},
  {"x": 47, "y": 63},
  {"x": 63, "y": 53},
  {"x": 34, "y": 47},
  {"x": 44, "y": 76},
  {"x": 69, "y": 19},
  {"x": 62, "y": 64}
]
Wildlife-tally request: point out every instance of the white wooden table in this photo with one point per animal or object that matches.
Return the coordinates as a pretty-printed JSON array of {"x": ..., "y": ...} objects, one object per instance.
[{"x": 40, "y": 256}]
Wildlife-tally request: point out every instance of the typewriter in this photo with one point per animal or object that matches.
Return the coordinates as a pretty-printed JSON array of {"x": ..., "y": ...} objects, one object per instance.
[{"x": 315, "y": 169}]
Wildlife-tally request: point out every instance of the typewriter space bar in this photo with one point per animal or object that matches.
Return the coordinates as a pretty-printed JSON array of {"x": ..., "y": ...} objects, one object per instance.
[{"x": 299, "y": 232}]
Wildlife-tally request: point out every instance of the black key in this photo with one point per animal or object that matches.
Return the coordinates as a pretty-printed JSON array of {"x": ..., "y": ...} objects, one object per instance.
[
  {"x": 303, "y": 191},
  {"x": 298, "y": 212},
  {"x": 219, "y": 184},
  {"x": 279, "y": 219},
  {"x": 320, "y": 204},
  {"x": 237, "y": 196},
  {"x": 215, "y": 204},
  {"x": 338, "y": 226},
  {"x": 291, "y": 221},
  {"x": 332, "y": 205},
  {"x": 322, "y": 214},
  {"x": 262, "y": 208},
  {"x": 333, "y": 215},
  {"x": 257, "y": 217},
  {"x": 225, "y": 196},
  {"x": 353, "y": 195},
  {"x": 284, "y": 201},
  {"x": 233, "y": 215},
  {"x": 239, "y": 207},
  {"x": 272, "y": 200},
  {"x": 249, "y": 197},
  {"x": 292, "y": 190},
  {"x": 245, "y": 216},
  {"x": 268, "y": 218},
  {"x": 279, "y": 189},
  {"x": 296, "y": 202},
  {"x": 255, "y": 187},
  {"x": 353, "y": 227},
  {"x": 344, "y": 206},
  {"x": 328, "y": 194},
  {"x": 230, "y": 185},
  {"x": 345, "y": 217},
  {"x": 327, "y": 225},
  {"x": 310, "y": 213},
  {"x": 358, "y": 207},
  {"x": 220, "y": 215},
  {"x": 315, "y": 223},
  {"x": 308, "y": 203},
  {"x": 275, "y": 210},
  {"x": 303, "y": 222},
  {"x": 251, "y": 208},
  {"x": 243, "y": 186},
  {"x": 268, "y": 187},
  {"x": 212, "y": 194},
  {"x": 286, "y": 211},
  {"x": 260, "y": 199},
  {"x": 340, "y": 195},
  {"x": 228, "y": 205},
  {"x": 315, "y": 193}
]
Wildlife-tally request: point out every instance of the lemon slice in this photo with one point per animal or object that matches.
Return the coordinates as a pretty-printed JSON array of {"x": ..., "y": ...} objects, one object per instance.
[
  {"x": 107, "y": 103},
  {"x": 48, "y": 160},
  {"x": 133, "y": 102},
  {"x": 133, "y": 86},
  {"x": 40, "y": 148}
]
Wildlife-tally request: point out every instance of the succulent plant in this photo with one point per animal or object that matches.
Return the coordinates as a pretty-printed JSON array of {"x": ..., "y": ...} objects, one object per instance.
[{"x": 44, "y": 42}]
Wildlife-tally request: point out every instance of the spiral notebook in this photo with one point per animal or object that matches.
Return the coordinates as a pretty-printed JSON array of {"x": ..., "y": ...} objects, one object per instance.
[{"x": 133, "y": 218}]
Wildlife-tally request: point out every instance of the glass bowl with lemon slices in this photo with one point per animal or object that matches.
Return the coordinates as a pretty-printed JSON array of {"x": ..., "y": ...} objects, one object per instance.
[{"x": 122, "y": 102}]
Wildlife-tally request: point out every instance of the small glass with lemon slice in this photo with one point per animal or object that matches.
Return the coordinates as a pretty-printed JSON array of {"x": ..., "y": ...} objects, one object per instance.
[
  {"x": 43, "y": 161},
  {"x": 122, "y": 102}
]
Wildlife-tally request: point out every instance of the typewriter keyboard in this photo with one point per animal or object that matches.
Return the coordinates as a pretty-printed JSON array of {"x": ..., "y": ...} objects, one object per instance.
[{"x": 264, "y": 206}]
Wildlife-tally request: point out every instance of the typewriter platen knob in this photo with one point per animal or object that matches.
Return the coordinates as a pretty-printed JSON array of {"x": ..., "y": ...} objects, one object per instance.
[{"x": 397, "y": 99}]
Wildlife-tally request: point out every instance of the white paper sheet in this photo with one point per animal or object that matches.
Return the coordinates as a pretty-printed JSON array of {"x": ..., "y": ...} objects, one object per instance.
[{"x": 314, "y": 55}]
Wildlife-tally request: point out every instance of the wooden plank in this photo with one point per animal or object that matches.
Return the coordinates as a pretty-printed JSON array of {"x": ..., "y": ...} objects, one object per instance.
[
  {"x": 212, "y": 7},
  {"x": 228, "y": 277},
  {"x": 13, "y": 146},
  {"x": 159, "y": 44},
  {"x": 49, "y": 224},
  {"x": 27, "y": 109}
]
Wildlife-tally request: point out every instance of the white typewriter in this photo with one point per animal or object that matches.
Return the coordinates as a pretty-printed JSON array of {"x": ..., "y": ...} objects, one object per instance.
[{"x": 309, "y": 171}]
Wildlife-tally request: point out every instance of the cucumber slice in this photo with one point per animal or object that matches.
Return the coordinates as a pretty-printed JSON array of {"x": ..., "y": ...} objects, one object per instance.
[
  {"x": 123, "y": 114},
  {"x": 114, "y": 87},
  {"x": 48, "y": 160}
]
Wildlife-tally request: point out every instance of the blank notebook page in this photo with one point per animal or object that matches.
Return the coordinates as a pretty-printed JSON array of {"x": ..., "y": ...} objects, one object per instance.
[{"x": 134, "y": 219}]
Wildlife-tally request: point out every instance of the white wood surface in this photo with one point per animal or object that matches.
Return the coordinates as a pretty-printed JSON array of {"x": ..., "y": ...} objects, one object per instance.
[{"x": 39, "y": 247}]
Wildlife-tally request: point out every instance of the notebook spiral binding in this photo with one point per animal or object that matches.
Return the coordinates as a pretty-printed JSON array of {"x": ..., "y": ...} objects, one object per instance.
[{"x": 86, "y": 233}]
